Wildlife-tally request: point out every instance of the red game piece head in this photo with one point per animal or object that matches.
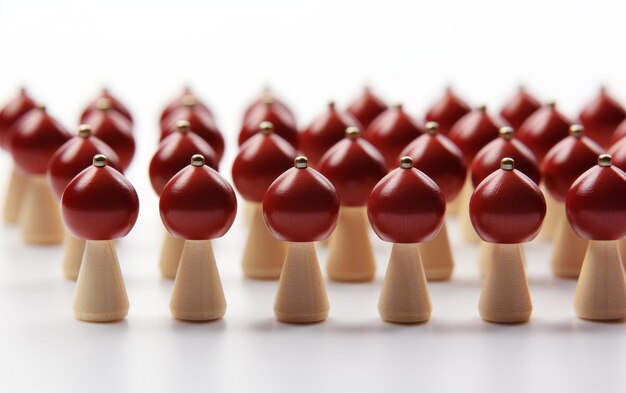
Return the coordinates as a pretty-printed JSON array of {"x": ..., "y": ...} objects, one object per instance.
[
  {"x": 620, "y": 133},
  {"x": 473, "y": 132},
  {"x": 35, "y": 137},
  {"x": 186, "y": 98},
  {"x": 567, "y": 160},
  {"x": 366, "y": 107},
  {"x": 268, "y": 97},
  {"x": 543, "y": 129},
  {"x": 74, "y": 156},
  {"x": 198, "y": 203},
  {"x": 301, "y": 205},
  {"x": 489, "y": 158},
  {"x": 354, "y": 166},
  {"x": 174, "y": 152},
  {"x": 507, "y": 207},
  {"x": 100, "y": 203},
  {"x": 260, "y": 161},
  {"x": 324, "y": 131},
  {"x": 114, "y": 104},
  {"x": 517, "y": 109},
  {"x": 601, "y": 116},
  {"x": 406, "y": 206},
  {"x": 618, "y": 154},
  {"x": 447, "y": 110},
  {"x": 595, "y": 204},
  {"x": 391, "y": 132},
  {"x": 440, "y": 159},
  {"x": 11, "y": 112},
  {"x": 267, "y": 110}
]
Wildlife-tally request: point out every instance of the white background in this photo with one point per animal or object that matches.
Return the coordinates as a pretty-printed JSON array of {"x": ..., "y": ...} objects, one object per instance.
[{"x": 64, "y": 51}]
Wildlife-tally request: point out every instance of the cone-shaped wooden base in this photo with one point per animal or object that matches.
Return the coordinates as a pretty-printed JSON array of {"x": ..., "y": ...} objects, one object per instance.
[
  {"x": 568, "y": 252},
  {"x": 301, "y": 296},
  {"x": 350, "y": 255},
  {"x": 454, "y": 207},
  {"x": 40, "y": 218},
  {"x": 198, "y": 293},
  {"x": 100, "y": 291},
  {"x": 73, "y": 251},
  {"x": 484, "y": 257},
  {"x": 14, "y": 197},
  {"x": 437, "y": 257},
  {"x": 263, "y": 255},
  {"x": 555, "y": 213},
  {"x": 601, "y": 290},
  {"x": 404, "y": 297},
  {"x": 465, "y": 223},
  {"x": 505, "y": 297},
  {"x": 171, "y": 253},
  {"x": 248, "y": 211},
  {"x": 621, "y": 244}
]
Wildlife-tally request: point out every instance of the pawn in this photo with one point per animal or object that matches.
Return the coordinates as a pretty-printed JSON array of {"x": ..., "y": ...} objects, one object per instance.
[
  {"x": 266, "y": 97},
  {"x": 366, "y": 107},
  {"x": 601, "y": 116},
  {"x": 100, "y": 205},
  {"x": 506, "y": 209},
  {"x": 596, "y": 210},
  {"x": 113, "y": 103},
  {"x": 447, "y": 110},
  {"x": 517, "y": 109},
  {"x": 186, "y": 98},
  {"x": 260, "y": 161},
  {"x": 268, "y": 109},
  {"x": 301, "y": 207},
  {"x": 406, "y": 207},
  {"x": 200, "y": 192},
  {"x": 354, "y": 166}
]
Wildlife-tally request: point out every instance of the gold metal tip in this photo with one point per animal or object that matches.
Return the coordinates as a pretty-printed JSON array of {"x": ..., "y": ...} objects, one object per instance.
[
  {"x": 353, "y": 132},
  {"x": 103, "y": 104},
  {"x": 604, "y": 160},
  {"x": 507, "y": 164},
  {"x": 506, "y": 133},
  {"x": 266, "y": 127},
  {"x": 482, "y": 107},
  {"x": 99, "y": 160},
  {"x": 182, "y": 126},
  {"x": 406, "y": 162},
  {"x": 40, "y": 105},
  {"x": 189, "y": 100},
  {"x": 301, "y": 162},
  {"x": 197, "y": 160},
  {"x": 267, "y": 100},
  {"x": 551, "y": 103},
  {"x": 432, "y": 127},
  {"x": 84, "y": 130},
  {"x": 576, "y": 130}
]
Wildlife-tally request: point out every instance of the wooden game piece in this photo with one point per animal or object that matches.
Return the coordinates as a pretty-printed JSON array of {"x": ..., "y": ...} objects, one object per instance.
[
  {"x": 354, "y": 166},
  {"x": 198, "y": 293},
  {"x": 324, "y": 132},
  {"x": 440, "y": 159},
  {"x": 596, "y": 211},
  {"x": 506, "y": 209},
  {"x": 100, "y": 205},
  {"x": 406, "y": 207},
  {"x": 260, "y": 161},
  {"x": 268, "y": 109},
  {"x": 519, "y": 107},
  {"x": 301, "y": 207},
  {"x": 172, "y": 156},
  {"x": 563, "y": 164},
  {"x": 391, "y": 132},
  {"x": 186, "y": 98},
  {"x": 18, "y": 182},
  {"x": 113, "y": 103},
  {"x": 69, "y": 160},
  {"x": 601, "y": 116},
  {"x": 366, "y": 107},
  {"x": 268, "y": 96},
  {"x": 447, "y": 110}
]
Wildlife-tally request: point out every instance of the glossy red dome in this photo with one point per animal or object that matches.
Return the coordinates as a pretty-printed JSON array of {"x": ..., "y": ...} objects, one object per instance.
[
  {"x": 184, "y": 99},
  {"x": 301, "y": 205},
  {"x": 269, "y": 111},
  {"x": 366, "y": 107},
  {"x": 437, "y": 157},
  {"x": 406, "y": 206},
  {"x": 543, "y": 129},
  {"x": 601, "y": 116},
  {"x": 595, "y": 205},
  {"x": 267, "y": 97},
  {"x": 324, "y": 132},
  {"x": 198, "y": 203},
  {"x": 115, "y": 130},
  {"x": 100, "y": 204},
  {"x": 618, "y": 154},
  {"x": 620, "y": 133},
  {"x": 35, "y": 137},
  {"x": 391, "y": 132},
  {"x": 75, "y": 155},
  {"x": 11, "y": 112},
  {"x": 507, "y": 207},
  {"x": 173, "y": 155},
  {"x": 567, "y": 160},
  {"x": 473, "y": 132},
  {"x": 447, "y": 110},
  {"x": 354, "y": 166},
  {"x": 115, "y": 104},
  {"x": 488, "y": 159},
  {"x": 519, "y": 107}
]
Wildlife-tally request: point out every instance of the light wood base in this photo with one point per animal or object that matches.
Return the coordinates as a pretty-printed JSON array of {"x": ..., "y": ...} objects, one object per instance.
[
  {"x": 15, "y": 195},
  {"x": 263, "y": 255},
  {"x": 171, "y": 253},
  {"x": 437, "y": 257},
  {"x": 555, "y": 213},
  {"x": 601, "y": 290},
  {"x": 404, "y": 297},
  {"x": 569, "y": 251},
  {"x": 350, "y": 255},
  {"x": 465, "y": 223},
  {"x": 505, "y": 297},
  {"x": 100, "y": 292},
  {"x": 40, "y": 218},
  {"x": 301, "y": 295},
  {"x": 621, "y": 245},
  {"x": 454, "y": 207},
  {"x": 73, "y": 251},
  {"x": 198, "y": 293}
]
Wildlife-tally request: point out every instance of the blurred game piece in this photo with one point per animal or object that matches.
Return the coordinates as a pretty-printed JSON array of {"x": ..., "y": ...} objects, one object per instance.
[
  {"x": 269, "y": 109},
  {"x": 186, "y": 98},
  {"x": 620, "y": 132},
  {"x": 114, "y": 104},
  {"x": 260, "y": 103},
  {"x": 519, "y": 107},
  {"x": 601, "y": 116},
  {"x": 447, "y": 110},
  {"x": 618, "y": 154},
  {"x": 366, "y": 107}
]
